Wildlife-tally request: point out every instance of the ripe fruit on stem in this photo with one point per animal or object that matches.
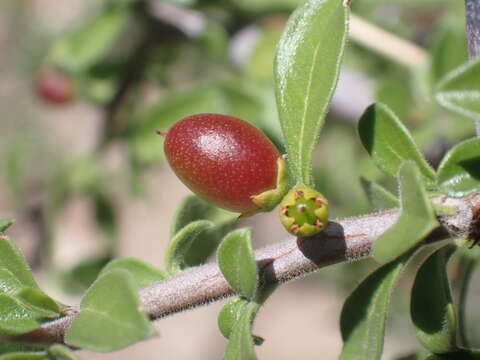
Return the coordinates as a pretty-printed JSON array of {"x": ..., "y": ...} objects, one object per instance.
[
  {"x": 227, "y": 162},
  {"x": 54, "y": 86},
  {"x": 304, "y": 211}
]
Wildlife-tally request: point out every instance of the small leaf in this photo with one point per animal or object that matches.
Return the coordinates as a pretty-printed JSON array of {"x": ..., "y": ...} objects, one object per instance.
[
  {"x": 181, "y": 243},
  {"x": 25, "y": 356},
  {"x": 416, "y": 220},
  {"x": 142, "y": 273},
  {"x": 307, "y": 65},
  {"x": 60, "y": 352},
  {"x": 431, "y": 304},
  {"x": 379, "y": 197},
  {"x": 15, "y": 319},
  {"x": 459, "y": 172},
  {"x": 9, "y": 347},
  {"x": 79, "y": 49},
  {"x": 365, "y": 311},
  {"x": 5, "y": 224},
  {"x": 241, "y": 343},
  {"x": 230, "y": 314},
  {"x": 105, "y": 215},
  {"x": 388, "y": 141},
  {"x": 36, "y": 301},
  {"x": 12, "y": 260},
  {"x": 459, "y": 90},
  {"x": 237, "y": 262},
  {"x": 83, "y": 274},
  {"x": 110, "y": 304}
]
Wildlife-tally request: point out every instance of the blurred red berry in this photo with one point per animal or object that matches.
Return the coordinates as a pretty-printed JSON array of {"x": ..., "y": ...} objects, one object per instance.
[{"x": 54, "y": 86}]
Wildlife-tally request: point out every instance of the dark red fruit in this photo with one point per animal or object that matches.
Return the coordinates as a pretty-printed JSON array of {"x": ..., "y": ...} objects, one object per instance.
[
  {"x": 222, "y": 159},
  {"x": 54, "y": 86}
]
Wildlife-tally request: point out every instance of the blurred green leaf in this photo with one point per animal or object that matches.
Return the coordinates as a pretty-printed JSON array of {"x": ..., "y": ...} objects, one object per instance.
[
  {"x": 237, "y": 262},
  {"x": 10, "y": 346},
  {"x": 379, "y": 197},
  {"x": 431, "y": 304},
  {"x": 12, "y": 259},
  {"x": 260, "y": 63},
  {"x": 60, "y": 352},
  {"x": 459, "y": 90},
  {"x": 307, "y": 65},
  {"x": 100, "y": 82},
  {"x": 449, "y": 51},
  {"x": 230, "y": 314},
  {"x": 459, "y": 171},
  {"x": 364, "y": 313},
  {"x": 81, "y": 48},
  {"x": 5, "y": 224},
  {"x": 388, "y": 141},
  {"x": 36, "y": 301},
  {"x": 111, "y": 303},
  {"x": 417, "y": 218},
  {"x": 83, "y": 274},
  {"x": 214, "y": 41},
  {"x": 142, "y": 273},
  {"x": 261, "y": 6},
  {"x": 240, "y": 346},
  {"x": 106, "y": 215},
  {"x": 25, "y": 356},
  {"x": 181, "y": 243},
  {"x": 395, "y": 93}
]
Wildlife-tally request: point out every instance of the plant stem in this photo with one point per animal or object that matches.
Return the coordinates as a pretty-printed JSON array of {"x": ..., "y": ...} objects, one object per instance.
[
  {"x": 472, "y": 14},
  {"x": 344, "y": 240}
]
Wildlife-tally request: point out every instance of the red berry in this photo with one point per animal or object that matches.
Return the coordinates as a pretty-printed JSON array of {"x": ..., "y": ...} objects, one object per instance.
[
  {"x": 54, "y": 86},
  {"x": 222, "y": 159}
]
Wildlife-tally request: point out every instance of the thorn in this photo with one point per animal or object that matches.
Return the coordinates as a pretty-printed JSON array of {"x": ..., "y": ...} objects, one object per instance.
[
  {"x": 319, "y": 201},
  {"x": 319, "y": 224},
  {"x": 161, "y": 133},
  {"x": 298, "y": 194},
  {"x": 295, "y": 228}
]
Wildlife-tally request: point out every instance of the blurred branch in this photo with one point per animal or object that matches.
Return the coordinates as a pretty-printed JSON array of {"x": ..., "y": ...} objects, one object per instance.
[
  {"x": 472, "y": 14},
  {"x": 386, "y": 43},
  {"x": 344, "y": 240}
]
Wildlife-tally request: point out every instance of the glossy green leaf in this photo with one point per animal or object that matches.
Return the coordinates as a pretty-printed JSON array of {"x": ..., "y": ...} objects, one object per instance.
[
  {"x": 181, "y": 243},
  {"x": 388, "y": 141},
  {"x": 12, "y": 259},
  {"x": 240, "y": 346},
  {"x": 379, "y": 197},
  {"x": 237, "y": 262},
  {"x": 230, "y": 314},
  {"x": 36, "y": 301},
  {"x": 111, "y": 303},
  {"x": 79, "y": 49},
  {"x": 5, "y": 224},
  {"x": 60, "y": 352},
  {"x": 142, "y": 273},
  {"x": 431, "y": 304},
  {"x": 15, "y": 318},
  {"x": 459, "y": 172},
  {"x": 364, "y": 313},
  {"x": 459, "y": 90},
  {"x": 25, "y": 356},
  {"x": 416, "y": 220},
  {"x": 307, "y": 65}
]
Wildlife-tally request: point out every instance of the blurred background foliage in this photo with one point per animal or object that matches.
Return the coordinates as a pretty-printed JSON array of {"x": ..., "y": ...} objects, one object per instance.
[{"x": 137, "y": 66}]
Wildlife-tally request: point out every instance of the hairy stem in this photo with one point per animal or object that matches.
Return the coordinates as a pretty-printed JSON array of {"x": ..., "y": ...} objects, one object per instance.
[{"x": 344, "y": 240}]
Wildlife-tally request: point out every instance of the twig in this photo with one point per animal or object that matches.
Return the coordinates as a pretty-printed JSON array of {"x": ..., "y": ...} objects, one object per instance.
[
  {"x": 472, "y": 14},
  {"x": 386, "y": 43},
  {"x": 344, "y": 240}
]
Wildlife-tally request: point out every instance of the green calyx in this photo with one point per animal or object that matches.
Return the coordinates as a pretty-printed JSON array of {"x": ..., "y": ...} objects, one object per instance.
[
  {"x": 268, "y": 200},
  {"x": 304, "y": 211}
]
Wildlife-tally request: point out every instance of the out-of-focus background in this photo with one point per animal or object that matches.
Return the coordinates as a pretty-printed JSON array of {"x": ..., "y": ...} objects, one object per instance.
[{"x": 85, "y": 84}]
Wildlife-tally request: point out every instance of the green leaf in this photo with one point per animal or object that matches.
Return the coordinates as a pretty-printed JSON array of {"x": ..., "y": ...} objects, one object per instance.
[
  {"x": 459, "y": 172},
  {"x": 237, "y": 262},
  {"x": 5, "y": 224},
  {"x": 110, "y": 317},
  {"x": 15, "y": 319},
  {"x": 105, "y": 215},
  {"x": 79, "y": 49},
  {"x": 9, "y": 347},
  {"x": 388, "y": 141},
  {"x": 241, "y": 343},
  {"x": 36, "y": 301},
  {"x": 230, "y": 314},
  {"x": 12, "y": 260},
  {"x": 459, "y": 90},
  {"x": 307, "y": 65},
  {"x": 431, "y": 304},
  {"x": 364, "y": 313},
  {"x": 379, "y": 197},
  {"x": 25, "y": 356},
  {"x": 416, "y": 220},
  {"x": 142, "y": 273},
  {"x": 60, "y": 352},
  {"x": 181, "y": 243},
  {"x": 83, "y": 274}
]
